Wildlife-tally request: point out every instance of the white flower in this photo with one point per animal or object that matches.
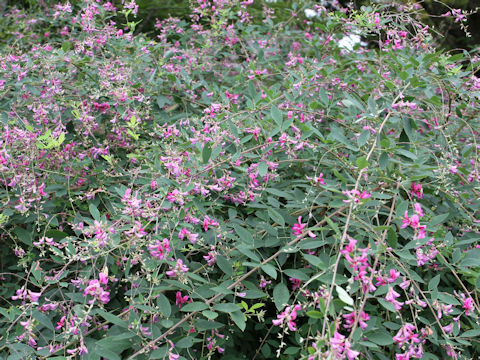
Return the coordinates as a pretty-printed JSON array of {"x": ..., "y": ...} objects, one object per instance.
[{"x": 309, "y": 13}]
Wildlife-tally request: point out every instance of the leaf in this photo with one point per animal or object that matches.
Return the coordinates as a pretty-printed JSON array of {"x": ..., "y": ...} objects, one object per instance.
[
  {"x": 472, "y": 258},
  {"x": 270, "y": 270},
  {"x": 363, "y": 138},
  {"x": 206, "y": 153},
  {"x": 279, "y": 193},
  {"x": 184, "y": 343},
  {"x": 280, "y": 295},
  {"x": 314, "y": 314},
  {"x": 433, "y": 284},
  {"x": 380, "y": 337},
  {"x": 108, "y": 354},
  {"x": 239, "y": 319},
  {"x": 202, "y": 324},
  {"x": 112, "y": 318},
  {"x": 344, "y": 296},
  {"x": 438, "y": 219},
  {"x": 249, "y": 253},
  {"x": 276, "y": 115},
  {"x": 24, "y": 235},
  {"x": 362, "y": 162},
  {"x": 471, "y": 333},
  {"x": 164, "y": 305},
  {"x": 224, "y": 265},
  {"x": 262, "y": 169},
  {"x": 210, "y": 314},
  {"x": 276, "y": 216},
  {"x": 383, "y": 161},
  {"x": 43, "y": 319},
  {"x": 387, "y": 305},
  {"x": 194, "y": 306},
  {"x": 254, "y": 294},
  {"x": 244, "y": 234},
  {"x": 407, "y": 154},
  {"x": 226, "y": 307},
  {"x": 314, "y": 260},
  {"x": 94, "y": 211},
  {"x": 297, "y": 274}
]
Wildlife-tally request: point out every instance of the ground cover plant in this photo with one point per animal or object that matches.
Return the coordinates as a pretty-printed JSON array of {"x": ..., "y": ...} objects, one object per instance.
[{"x": 237, "y": 186}]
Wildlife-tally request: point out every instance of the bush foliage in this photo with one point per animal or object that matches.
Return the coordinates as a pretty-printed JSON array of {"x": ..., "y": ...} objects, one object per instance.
[{"x": 237, "y": 186}]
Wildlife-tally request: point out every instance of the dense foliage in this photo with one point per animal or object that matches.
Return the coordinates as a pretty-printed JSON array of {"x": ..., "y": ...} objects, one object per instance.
[{"x": 237, "y": 187}]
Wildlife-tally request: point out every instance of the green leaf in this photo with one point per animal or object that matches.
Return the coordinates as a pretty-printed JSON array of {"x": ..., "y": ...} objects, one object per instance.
[
  {"x": 226, "y": 307},
  {"x": 438, "y": 219},
  {"x": 24, "y": 235},
  {"x": 43, "y": 319},
  {"x": 276, "y": 115},
  {"x": 249, "y": 253},
  {"x": 210, "y": 314},
  {"x": 297, "y": 274},
  {"x": 184, "y": 343},
  {"x": 314, "y": 314},
  {"x": 314, "y": 260},
  {"x": 407, "y": 154},
  {"x": 239, "y": 319},
  {"x": 472, "y": 258},
  {"x": 194, "y": 306},
  {"x": 280, "y": 295},
  {"x": 276, "y": 216},
  {"x": 344, "y": 296},
  {"x": 270, "y": 270},
  {"x": 383, "y": 161},
  {"x": 471, "y": 333},
  {"x": 108, "y": 354},
  {"x": 244, "y": 234},
  {"x": 225, "y": 265},
  {"x": 380, "y": 337},
  {"x": 206, "y": 153},
  {"x": 433, "y": 284},
  {"x": 363, "y": 138},
  {"x": 362, "y": 162},
  {"x": 112, "y": 318},
  {"x": 262, "y": 169},
  {"x": 94, "y": 211},
  {"x": 387, "y": 305},
  {"x": 164, "y": 305}
]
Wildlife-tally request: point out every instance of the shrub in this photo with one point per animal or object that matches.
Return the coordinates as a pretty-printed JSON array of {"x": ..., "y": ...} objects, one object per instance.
[{"x": 237, "y": 188}]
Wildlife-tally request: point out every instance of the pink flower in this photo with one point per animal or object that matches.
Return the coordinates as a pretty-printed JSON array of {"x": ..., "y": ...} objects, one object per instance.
[
  {"x": 181, "y": 299},
  {"x": 298, "y": 228},
  {"x": 418, "y": 209},
  {"x": 160, "y": 249},
  {"x": 350, "y": 320},
  {"x": 394, "y": 274},
  {"x": 190, "y": 236},
  {"x": 406, "y": 334},
  {"x": 416, "y": 189},
  {"x": 391, "y": 297},
  {"x": 287, "y": 316},
  {"x": 468, "y": 305},
  {"x": 95, "y": 289},
  {"x": 178, "y": 270}
]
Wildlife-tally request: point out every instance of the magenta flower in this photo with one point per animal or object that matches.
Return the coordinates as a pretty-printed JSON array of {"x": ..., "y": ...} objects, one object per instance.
[
  {"x": 287, "y": 317},
  {"x": 391, "y": 297},
  {"x": 298, "y": 228},
  {"x": 416, "y": 189},
  {"x": 418, "y": 209},
  {"x": 95, "y": 289},
  {"x": 180, "y": 300},
  {"x": 178, "y": 270},
  {"x": 160, "y": 249},
  {"x": 468, "y": 305}
]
